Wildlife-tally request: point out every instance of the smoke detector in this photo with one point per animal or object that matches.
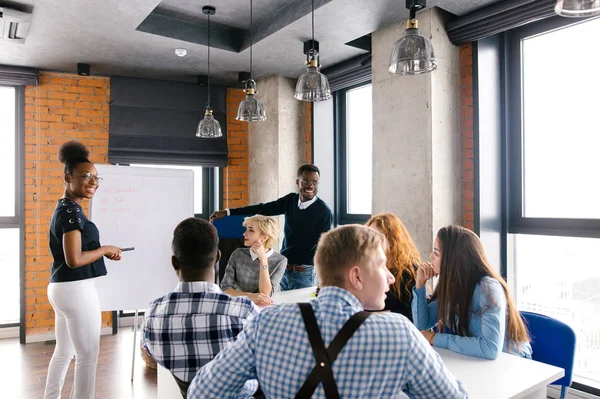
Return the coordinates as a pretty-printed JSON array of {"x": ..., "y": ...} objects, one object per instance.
[{"x": 180, "y": 52}]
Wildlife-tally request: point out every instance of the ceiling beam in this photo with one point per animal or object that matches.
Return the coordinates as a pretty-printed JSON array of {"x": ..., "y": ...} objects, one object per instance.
[
  {"x": 223, "y": 36},
  {"x": 226, "y": 37}
]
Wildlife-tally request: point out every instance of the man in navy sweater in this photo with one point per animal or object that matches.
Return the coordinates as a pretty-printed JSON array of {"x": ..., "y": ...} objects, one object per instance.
[{"x": 306, "y": 218}]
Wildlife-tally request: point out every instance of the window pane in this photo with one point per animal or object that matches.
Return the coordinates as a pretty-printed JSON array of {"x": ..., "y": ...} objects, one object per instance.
[
  {"x": 561, "y": 122},
  {"x": 9, "y": 283},
  {"x": 560, "y": 277},
  {"x": 197, "y": 181},
  {"x": 7, "y": 151},
  {"x": 359, "y": 147}
]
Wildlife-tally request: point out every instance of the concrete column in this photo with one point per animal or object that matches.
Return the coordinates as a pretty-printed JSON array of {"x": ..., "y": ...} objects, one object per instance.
[
  {"x": 277, "y": 146},
  {"x": 416, "y": 135}
]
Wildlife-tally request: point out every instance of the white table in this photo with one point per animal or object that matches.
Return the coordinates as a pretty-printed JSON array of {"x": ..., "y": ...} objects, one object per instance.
[
  {"x": 294, "y": 296},
  {"x": 507, "y": 377}
]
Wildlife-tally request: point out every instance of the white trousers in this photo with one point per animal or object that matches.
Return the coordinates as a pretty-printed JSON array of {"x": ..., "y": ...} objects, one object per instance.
[{"x": 77, "y": 327}]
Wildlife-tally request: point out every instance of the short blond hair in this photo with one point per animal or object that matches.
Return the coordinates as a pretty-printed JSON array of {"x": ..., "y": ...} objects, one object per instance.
[
  {"x": 344, "y": 247},
  {"x": 267, "y": 226}
]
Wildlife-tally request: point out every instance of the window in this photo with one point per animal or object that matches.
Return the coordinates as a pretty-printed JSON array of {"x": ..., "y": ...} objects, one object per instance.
[
  {"x": 204, "y": 178},
  {"x": 553, "y": 197},
  {"x": 354, "y": 153},
  {"x": 560, "y": 130},
  {"x": 10, "y": 218},
  {"x": 7, "y": 152},
  {"x": 560, "y": 277},
  {"x": 553, "y": 129}
]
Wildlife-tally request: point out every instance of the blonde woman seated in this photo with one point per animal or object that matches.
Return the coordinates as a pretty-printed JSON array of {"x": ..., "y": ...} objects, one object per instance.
[{"x": 255, "y": 272}]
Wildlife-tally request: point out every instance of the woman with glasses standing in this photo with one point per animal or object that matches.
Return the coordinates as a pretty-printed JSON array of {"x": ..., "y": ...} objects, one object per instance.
[{"x": 78, "y": 259}]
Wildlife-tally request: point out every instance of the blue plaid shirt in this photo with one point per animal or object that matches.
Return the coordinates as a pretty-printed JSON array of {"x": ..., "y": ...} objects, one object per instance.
[
  {"x": 186, "y": 329},
  {"x": 387, "y": 357}
]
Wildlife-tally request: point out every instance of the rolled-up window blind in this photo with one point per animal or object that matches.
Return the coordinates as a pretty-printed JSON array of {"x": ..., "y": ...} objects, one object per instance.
[
  {"x": 349, "y": 73},
  {"x": 18, "y": 76},
  {"x": 497, "y": 18},
  {"x": 154, "y": 121}
]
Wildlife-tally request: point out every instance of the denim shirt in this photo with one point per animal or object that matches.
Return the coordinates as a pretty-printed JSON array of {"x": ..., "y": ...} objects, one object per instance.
[{"x": 487, "y": 328}]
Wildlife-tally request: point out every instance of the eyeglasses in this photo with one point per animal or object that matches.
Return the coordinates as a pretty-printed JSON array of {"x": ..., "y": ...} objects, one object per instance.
[
  {"x": 89, "y": 177},
  {"x": 308, "y": 183}
]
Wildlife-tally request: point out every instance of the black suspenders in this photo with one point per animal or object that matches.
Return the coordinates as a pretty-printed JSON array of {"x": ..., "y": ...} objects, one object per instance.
[{"x": 325, "y": 357}]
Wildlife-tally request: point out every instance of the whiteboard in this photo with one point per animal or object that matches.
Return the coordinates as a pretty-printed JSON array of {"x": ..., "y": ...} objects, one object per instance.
[{"x": 139, "y": 207}]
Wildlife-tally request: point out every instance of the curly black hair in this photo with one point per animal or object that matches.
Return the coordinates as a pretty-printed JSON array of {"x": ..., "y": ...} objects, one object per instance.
[
  {"x": 72, "y": 153},
  {"x": 195, "y": 243}
]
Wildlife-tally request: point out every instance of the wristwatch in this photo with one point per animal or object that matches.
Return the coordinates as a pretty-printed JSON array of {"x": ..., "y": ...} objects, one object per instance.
[{"x": 264, "y": 267}]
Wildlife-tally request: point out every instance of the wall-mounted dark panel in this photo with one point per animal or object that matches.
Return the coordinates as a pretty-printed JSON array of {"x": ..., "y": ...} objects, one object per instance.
[{"x": 154, "y": 121}]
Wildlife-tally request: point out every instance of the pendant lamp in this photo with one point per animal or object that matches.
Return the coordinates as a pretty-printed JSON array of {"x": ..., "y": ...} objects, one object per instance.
[
  {"x": 209, "y": 127},
  {"x": 577, "y": 8},
  {"x": 413, "y": 52},
  {"x": 312, "y": 85},
  {"x": 250, "y": 109}
]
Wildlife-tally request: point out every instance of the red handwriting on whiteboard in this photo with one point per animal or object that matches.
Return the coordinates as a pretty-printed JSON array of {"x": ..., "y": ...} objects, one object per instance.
[
  {"x": 121, "y": 190},
  {"x": 120, "y": 210},
  {"x": 115, "y": 210}
]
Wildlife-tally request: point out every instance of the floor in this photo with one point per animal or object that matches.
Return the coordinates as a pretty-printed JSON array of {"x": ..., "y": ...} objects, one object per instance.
[{"x": 23, "y": 370}]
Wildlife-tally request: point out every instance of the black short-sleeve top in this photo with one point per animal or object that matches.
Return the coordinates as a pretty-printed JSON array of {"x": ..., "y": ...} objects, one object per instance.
[{"x": 69, "y": 216}]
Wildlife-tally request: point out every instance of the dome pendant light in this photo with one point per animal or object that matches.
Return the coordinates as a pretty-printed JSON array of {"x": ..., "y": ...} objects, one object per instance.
[
  {"x": 312, "y": 85},
  {"x": 413, "y": 52},
  {"x": 577, "y": 8},
  {"x": 209, "y": 127},
  {"x": 250, "y": 109}
]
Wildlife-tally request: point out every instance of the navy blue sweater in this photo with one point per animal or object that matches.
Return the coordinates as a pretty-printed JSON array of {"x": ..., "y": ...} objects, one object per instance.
[{"x": 303, "y": 227}]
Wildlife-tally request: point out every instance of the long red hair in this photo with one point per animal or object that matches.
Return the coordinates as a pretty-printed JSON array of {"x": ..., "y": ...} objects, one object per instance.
[{"x": 402, "y": 254}]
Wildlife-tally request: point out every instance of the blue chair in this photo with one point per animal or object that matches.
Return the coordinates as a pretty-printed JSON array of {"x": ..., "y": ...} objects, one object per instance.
[
  {"x": 552, "y": 342},
  {"x": 231, "y": 237},
  {"x": 230, "y": 226}
]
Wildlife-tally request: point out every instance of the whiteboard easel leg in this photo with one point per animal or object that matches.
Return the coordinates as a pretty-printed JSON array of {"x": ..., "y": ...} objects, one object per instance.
[{"x": 135, "y": 327}]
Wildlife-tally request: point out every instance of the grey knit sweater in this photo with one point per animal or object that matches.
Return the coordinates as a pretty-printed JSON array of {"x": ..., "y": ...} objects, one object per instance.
[{"x": 242, "y": 273}]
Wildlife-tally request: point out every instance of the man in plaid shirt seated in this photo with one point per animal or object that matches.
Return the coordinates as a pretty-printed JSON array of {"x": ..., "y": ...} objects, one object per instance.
[
  {"x": 187, "y": 328},
  {"x": 386, "y": 357}
]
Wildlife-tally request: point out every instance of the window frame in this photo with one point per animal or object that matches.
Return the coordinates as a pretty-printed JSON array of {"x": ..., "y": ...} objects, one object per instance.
[
  {"x": 342, "y": 216},
  {"x": 18, "y": 220},
  {"x": 517, "y": 223},
  {"x": 513, "y": 134}
]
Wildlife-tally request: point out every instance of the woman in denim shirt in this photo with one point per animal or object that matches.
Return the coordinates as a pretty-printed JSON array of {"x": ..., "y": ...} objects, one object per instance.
[{"x": 481, "y": 317}]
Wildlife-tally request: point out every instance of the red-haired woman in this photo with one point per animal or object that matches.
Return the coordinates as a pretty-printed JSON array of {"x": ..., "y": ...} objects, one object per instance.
[{"x": 402, "y": 261}]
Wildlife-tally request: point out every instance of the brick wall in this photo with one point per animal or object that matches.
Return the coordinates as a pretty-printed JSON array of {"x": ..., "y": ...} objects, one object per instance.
[
  {"x": 235, "y": 175},
  {"x": 69, "y": 107},
  {"x": 63, "y": 107},
  {"x": 308, "y": 131},
  {"x": 466, "y": 121}
]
